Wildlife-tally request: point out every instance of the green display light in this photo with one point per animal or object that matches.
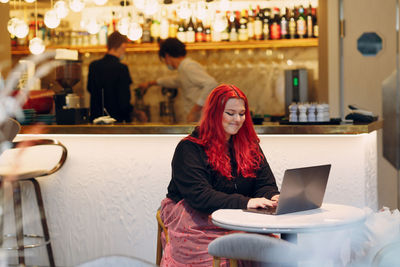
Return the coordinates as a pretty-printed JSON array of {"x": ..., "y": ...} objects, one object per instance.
[{"x": 295, "y": 81}]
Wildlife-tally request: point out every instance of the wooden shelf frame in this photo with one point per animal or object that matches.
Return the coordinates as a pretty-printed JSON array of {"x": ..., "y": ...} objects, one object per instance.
[{"x": 153, "y": 47}]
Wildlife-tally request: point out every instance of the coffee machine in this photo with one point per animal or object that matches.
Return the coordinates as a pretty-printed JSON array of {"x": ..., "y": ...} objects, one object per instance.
[
  {"x": 67, "y": 104},
  {"x": 296, "y": 87}
]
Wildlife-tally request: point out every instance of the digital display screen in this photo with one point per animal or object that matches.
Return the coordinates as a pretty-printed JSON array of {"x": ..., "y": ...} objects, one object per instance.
[{"x": 295, "y": 81}]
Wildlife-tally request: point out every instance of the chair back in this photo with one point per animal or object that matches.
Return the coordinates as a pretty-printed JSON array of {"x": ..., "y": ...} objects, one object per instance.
[
  {"x": 9, "y": 129},
  {"x": 255, "y": 247}
]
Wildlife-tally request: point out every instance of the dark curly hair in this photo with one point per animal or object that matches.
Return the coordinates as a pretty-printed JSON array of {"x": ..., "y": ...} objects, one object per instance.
[{"x": 173, "y": 47}]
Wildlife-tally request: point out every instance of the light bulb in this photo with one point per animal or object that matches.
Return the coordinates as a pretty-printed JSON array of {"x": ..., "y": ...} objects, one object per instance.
[
  {"x": 100, "y": 2},
  {"x": 93, "y": 26},
  {"x": 21, "y": 29},
  {"x": 135, "y": 31},
  {"x": 11, "y": 25},
  {"x": 61, "y": 9},
  {"x": 123, "y": 25},
  {"x": 51, "y": 19},
  {"x": 36, "y": 46},
  {"x": 30, "y": 1},
  {"x": 3, "y": 1},
  {"x": 184, "y": 10},
  {"x": 76, "y": 5},
  {"x": 151, "y": 7}
]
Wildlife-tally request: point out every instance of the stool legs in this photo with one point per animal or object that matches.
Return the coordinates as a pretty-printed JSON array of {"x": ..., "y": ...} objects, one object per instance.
[
  {"x": 44, "y": 221},
  {"x": 18, "y": 222}
]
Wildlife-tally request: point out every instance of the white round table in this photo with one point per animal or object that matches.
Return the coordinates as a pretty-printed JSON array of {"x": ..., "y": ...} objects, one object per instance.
[{"x": 328, "y": 217}]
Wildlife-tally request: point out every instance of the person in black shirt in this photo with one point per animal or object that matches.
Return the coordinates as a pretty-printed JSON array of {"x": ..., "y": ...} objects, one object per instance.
[
  {"x": 109, "y": 81},
  {"x": 219, "y": 166}
]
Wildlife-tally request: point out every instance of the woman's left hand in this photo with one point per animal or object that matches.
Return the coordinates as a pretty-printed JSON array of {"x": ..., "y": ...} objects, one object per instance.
[{"x": 275, "y": 199}]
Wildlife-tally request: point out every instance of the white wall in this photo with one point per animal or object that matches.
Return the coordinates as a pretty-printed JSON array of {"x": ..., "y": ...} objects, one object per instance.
[{"x": 104, "y": 199}]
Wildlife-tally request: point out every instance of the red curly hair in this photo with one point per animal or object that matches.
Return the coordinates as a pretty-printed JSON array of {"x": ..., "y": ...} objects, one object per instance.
[{"x": 212, "y": 135}]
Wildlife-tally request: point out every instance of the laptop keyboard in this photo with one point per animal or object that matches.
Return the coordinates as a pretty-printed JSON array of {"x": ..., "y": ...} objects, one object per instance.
[{"x": 266, "y": 210}]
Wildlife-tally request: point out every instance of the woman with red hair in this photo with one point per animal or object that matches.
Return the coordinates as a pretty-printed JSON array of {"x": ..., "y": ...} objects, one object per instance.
[{"x": 219, "y": 166}]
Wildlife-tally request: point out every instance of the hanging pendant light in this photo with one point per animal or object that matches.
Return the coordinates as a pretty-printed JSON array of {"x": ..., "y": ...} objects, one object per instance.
[
  {"x": 4, "y": 1},
  {"x": 51, "y": 20},
  {"x": 30, "y": 1},
  {"x": 123, "y": 25},
  {"x": 11, "y": 25},
  {"x": 93, "y": 26},
  {"x": 135, "y": 31},
  {"x": 21, "y": 29},
  {"x": 76, "y": 5},
  {"x": 151, "y": 7},
  {"x": 36, "y": 45},
  {"x": 61, "y": 9}
]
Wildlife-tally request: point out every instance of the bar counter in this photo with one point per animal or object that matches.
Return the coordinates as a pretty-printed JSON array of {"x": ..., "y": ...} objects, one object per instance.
[
  {"x": 151, "y": 128},
  {"x": 103, "y": 201}
]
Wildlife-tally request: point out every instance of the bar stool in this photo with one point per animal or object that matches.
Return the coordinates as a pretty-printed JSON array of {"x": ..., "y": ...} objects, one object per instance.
[{"x": 15, "y": 182}]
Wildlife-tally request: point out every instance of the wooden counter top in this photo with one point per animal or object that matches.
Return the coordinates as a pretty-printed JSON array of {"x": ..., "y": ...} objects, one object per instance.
[{"x": 266, "y": 128}]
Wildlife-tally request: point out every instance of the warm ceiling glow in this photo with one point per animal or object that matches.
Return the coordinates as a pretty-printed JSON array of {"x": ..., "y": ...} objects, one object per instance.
[
  {"x": 100, "y": 2},
  {"x": 30, "y": 1},
  {"x": 3, "y": 1},
  {"x": 11, "y": 25}
]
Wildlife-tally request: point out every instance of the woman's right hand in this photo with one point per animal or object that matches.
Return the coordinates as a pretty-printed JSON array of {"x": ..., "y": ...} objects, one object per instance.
[{"x": 260, "y": 202}]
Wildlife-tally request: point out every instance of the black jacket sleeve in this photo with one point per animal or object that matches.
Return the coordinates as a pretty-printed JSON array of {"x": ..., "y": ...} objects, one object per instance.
[
  {"x": 265, "y": 185},
  {"x": 191, "y": 177}
]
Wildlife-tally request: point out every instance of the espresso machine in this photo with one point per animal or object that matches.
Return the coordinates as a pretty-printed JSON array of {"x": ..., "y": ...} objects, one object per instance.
[
  {"x": 67, "y": 104},
  {"x": 296, "y": 87},
  {"x": 167, "y": 110}
]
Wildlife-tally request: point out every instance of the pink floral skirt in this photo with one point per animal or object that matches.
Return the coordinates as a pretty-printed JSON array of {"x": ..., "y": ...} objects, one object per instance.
[{"x": 189, "y": 232}]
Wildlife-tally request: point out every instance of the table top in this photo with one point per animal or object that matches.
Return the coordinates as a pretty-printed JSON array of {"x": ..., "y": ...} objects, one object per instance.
[{"x": 328, "y": 217}]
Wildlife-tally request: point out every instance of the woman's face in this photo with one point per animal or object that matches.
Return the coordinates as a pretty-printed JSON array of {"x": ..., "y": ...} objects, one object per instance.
[{"x": 233, "y": 116}]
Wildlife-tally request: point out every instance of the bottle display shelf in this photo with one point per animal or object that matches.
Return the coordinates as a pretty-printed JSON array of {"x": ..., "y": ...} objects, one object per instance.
[{"x": 153, "y": 47}]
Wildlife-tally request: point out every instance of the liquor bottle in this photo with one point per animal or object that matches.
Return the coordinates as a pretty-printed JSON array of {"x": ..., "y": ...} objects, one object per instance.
[
  {"x": 190, "y": 34},
  {"x": 155, "y": 31},
  {"x": 215, "y": 28},
  {"x": 292, "y": 25},
  {"x": 301, "y": 23},
  {"x": 309, "y": 22},
  {"x": 233, "y": 26},
  {"x": 207, "y": 29},
  {"x": 275, "y": 28},
  {"x": 200, "y": 31},
  {"x": 266, "y": 22},
  {"x": 284, "y": 24},
  {"x": 315, "y": 23},
  {"x": 250, "y": 23},
  {"x": 173, "y": 26},
  {"x": 164, "y": 25},
  {"x": 243, "y": 32},
  {"x": 146, "y": 37},
  {"x": 258, "y": 24},
  {"x": 181, "y": 34},
  {"x": 225, "y": 32}
]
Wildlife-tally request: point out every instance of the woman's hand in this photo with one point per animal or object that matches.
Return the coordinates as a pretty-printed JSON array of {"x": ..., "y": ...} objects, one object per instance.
[
  {"x": 260, "y": 202},
  {"x": 275, "y": 199}
]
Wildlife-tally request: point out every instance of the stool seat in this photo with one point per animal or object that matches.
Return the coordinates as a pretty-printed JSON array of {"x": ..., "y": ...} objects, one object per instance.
[{"x": 17, "y": 175}]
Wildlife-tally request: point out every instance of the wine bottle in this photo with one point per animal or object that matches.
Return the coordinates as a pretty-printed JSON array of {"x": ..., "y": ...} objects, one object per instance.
[
  {"x": 243, "y": 32},
  {"x": 284, "y": 24},
  {"x": 190, "y": 34},
  {"x": 309, "y": 22},
  {"x": 200, "y": 32},
  {"x": 181, "y": 34},
  {"x": 301, "y": 23},
  {"x": 292, "y": 25},
  {"x": 258, "y": 24},
  {"x": 275, "y": 28},
  {"x": 315, "y": 23},
  {"x": 266, "y": 23}
]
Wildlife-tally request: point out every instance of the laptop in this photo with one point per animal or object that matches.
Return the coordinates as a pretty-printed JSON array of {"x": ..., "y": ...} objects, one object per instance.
[{"x": 302, "y": 189}]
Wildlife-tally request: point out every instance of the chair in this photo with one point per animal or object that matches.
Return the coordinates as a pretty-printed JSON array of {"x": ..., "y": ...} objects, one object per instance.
[
  {"x": 253, "y": 247},
  {"x": 161, "y": 228},
  {"x": 387, "y": 256},
  {"x": 15, "y": 182},
  {"x": 8, "y": 130}
]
